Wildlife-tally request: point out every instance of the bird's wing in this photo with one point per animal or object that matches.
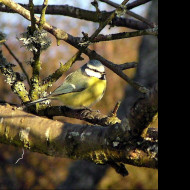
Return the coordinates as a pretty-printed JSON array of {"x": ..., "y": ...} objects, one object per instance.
[
  {"x": 72, "y": 83},
  {"x": 66, "y": 88}
]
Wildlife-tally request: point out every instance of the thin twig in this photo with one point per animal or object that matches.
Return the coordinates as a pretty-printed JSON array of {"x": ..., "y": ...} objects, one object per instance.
[
  {"x": 138, "y": 17},
  {"x": 32, "y": 17},
  {"x": 14, "y": 79},
  {"x": 114, "y": 112},
  {"x": 47, "y": 82},
  {"x": 102, "y": 25},
  {"x": 111, "y": 3},
  {"x": 36, "y": 57},
  {"x": 136, "y": 3},
  {"x": 146, "y": 21},
  {"x": 117, "y": 70},
  {"x": 123, "y": 35},
  {"x": 42, "y": 17},
  {"x": 19, "y": 62},
  {"x": 127, "y": 65}
]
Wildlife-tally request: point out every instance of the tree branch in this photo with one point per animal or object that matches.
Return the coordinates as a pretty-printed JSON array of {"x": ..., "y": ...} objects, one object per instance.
[
  {"x": 48, "y": 81},
  {"x": 102, "y": 145},
  {"x": 18, "y": 61},
  {"x": 42, "y": 17},
  {"x": 144, "y": 20},
  {"x": 136, "y": 3},
  {"x": 123, "y": 35},
  {"x": 13, "y": 78},
  {"x": 143, "y": 111},
  {"x": 85, "y": 43},
  {"x": 74, "y": 12},
  {"x": 93, "y": 143},
  {"x": 91, "y": 116},
  {"x": 93, "y": 55},
  {"x": 74, "y": 41}
]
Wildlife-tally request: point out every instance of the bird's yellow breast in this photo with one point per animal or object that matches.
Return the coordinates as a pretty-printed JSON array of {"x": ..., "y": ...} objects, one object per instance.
[{"x": 86, "y": 98}]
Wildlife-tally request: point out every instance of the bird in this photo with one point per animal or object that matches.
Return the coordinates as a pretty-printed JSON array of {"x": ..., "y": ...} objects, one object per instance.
[{"x": 81, "y": 88}]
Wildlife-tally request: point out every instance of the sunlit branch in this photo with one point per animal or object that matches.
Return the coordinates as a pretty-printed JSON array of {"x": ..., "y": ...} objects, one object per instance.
[
  {"x": 43, "y": 12},
  {"x": 123, "y": 35},
  {"x": 78, "y": 13},
  {"x": 118, "y": 143},
  {"x": 62, "y": 35}
]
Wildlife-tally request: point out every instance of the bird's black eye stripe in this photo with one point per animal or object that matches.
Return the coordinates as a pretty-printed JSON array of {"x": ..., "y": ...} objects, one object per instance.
[{"x": 102, "y": 73}]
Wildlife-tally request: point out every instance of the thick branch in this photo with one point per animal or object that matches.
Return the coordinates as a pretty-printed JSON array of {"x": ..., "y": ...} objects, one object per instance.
[
  {"x": 143, "y": 111},
  {"x": 115, "y": 143},
  {"x": 91, "y": 116},
  {"x": 98, "y": 144}
]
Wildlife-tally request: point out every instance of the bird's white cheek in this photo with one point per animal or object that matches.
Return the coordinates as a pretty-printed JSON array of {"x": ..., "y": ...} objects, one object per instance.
[{"x": 92, "y": 73}]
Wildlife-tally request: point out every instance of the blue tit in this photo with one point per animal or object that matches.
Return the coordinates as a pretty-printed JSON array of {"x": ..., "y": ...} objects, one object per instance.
[{"x": 81, "y": 88}]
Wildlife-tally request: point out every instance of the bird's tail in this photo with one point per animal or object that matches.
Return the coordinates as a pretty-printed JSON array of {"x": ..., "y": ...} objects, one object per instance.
[{"x": 36, "y": 101}]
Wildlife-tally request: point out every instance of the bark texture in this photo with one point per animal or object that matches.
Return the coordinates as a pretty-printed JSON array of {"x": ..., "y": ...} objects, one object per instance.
[{"x": 100, "y": 145}]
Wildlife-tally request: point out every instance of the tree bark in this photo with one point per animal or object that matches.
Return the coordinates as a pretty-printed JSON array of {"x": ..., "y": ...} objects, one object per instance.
[{"x": 100, "y": 145}]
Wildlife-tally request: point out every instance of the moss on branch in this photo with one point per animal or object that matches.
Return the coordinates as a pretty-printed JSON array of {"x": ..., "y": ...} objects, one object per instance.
[
  {"x": 13, "y": 78},
  {"x": 93, "y": 143},
  {"x": 42, "y": 17}
]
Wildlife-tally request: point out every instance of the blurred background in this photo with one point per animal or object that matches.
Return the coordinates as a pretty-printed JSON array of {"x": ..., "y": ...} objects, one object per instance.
[{"x": 37, "y": 171}]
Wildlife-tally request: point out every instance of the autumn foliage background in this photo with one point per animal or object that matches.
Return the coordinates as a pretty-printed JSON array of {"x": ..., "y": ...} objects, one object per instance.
[{"x": 37, "y": 171}]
